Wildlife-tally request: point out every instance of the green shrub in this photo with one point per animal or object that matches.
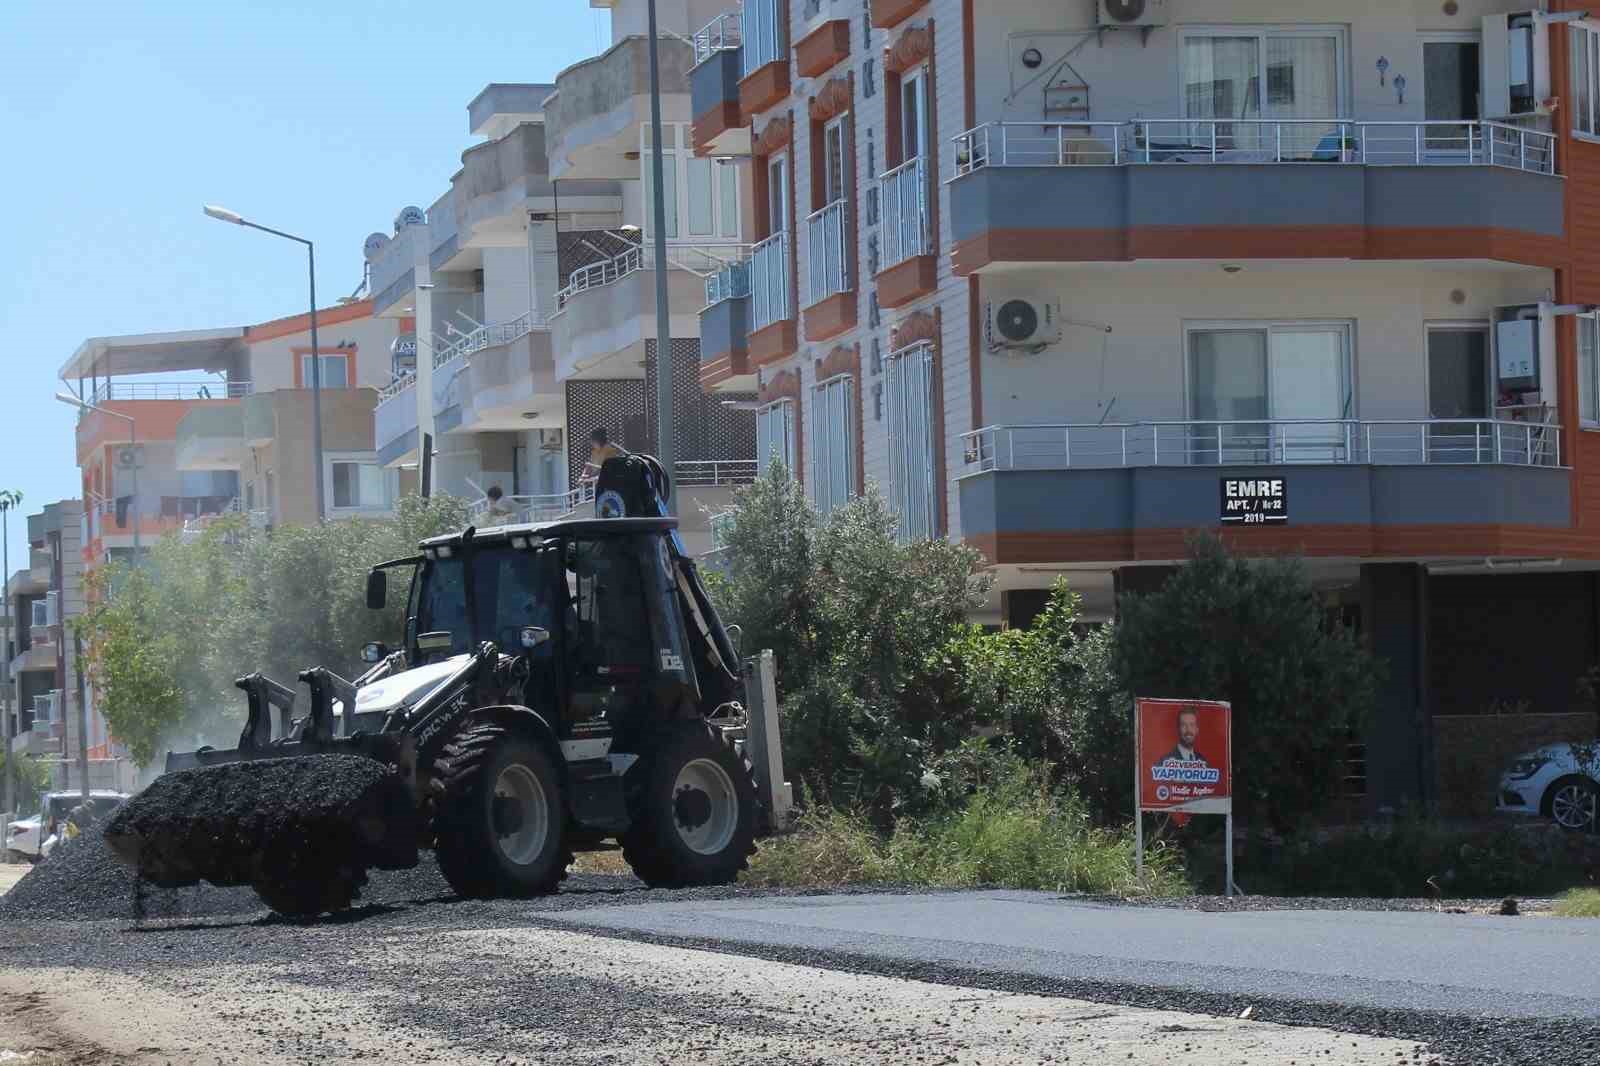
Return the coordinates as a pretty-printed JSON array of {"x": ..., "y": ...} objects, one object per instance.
[
  {"x": 1256, "y": 634},
  {"x": 1579, "y": 903},
  {"x": 1015, "y": 832}
]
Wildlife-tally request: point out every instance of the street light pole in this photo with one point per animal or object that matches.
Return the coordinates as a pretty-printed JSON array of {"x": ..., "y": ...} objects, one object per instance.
[
  {"x": 222, "y": 214},
  {"x": 666, "y": 443}
]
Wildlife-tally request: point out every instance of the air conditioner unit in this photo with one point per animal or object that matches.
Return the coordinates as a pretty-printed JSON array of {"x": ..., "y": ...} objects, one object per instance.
[
  {"x": 1021, "y": 324},
  {"x": 552, "y": 440},
  {"x": 1133, "y": 12},
  {"x": 130, "y": 457}
]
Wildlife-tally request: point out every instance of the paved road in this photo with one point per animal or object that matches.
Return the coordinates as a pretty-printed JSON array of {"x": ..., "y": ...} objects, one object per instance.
[{"x": 1530, "y": 967}]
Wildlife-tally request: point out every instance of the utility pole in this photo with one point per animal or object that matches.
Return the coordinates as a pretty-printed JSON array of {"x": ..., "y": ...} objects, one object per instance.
[{"x": 666, "y": 443}]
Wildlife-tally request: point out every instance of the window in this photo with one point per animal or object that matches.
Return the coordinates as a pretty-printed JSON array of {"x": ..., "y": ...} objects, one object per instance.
[
  {"x": 359, "y": 483},
  {"x": 701, "y": 197},
  {"x": 1584, "y": 40},
  {"x": 775, "y": 436},
  {"x": 335, "y": 371},
  {"x": 777, "y": 193},
  {"x": 1241, "y": 377},
  {"x": 913, "y": 114},
  {"x": 912, "y": 492},
  {"x": 1267, "y": 73},
  {"x": 1589, "y": 369},
  {"x": 833, "y": 443},
  {"x": 835, "y": 155}
]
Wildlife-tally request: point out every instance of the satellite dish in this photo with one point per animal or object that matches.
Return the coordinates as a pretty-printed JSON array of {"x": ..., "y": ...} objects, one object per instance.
[
  {"x": 374, "y": 244},
  {"x": 409, "y": 216}
]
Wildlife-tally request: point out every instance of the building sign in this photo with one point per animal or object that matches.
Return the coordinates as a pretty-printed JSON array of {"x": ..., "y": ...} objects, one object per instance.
[
  {"x": 1185, "y": 752},
  {"x": 404, "y": 346},
  {"x": 1254, "y": 501}
]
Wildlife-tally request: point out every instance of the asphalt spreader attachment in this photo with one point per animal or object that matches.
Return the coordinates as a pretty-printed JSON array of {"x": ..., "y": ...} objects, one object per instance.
[{"x": 301, "y": 831}]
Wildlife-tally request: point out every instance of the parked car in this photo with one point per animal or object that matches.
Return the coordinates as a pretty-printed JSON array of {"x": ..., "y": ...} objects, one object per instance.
[
  {"x": 1554, "y": 782},
  {"x": 32, "y": 838}
]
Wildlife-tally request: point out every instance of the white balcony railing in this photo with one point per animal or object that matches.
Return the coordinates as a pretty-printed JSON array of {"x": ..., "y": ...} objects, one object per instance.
[
  {"x": 1036, "y": 144},
  {"x": 170, "y": 390},
  {"x": 547, "y": 507},
  {"x": 602, "y": 273},
  {"x": 762, "y": 32},
  {"x": 907, "y": 223},
  {"x": 703, "y": 472},
  {"x": 718, "y": 35},
  {"x": 1392, "y": 442},
  {"x": 399, "y": 384},
  {"x": 490, "y": 336},
  {"x": 769, "y": 282},
  {"x": 827, "y": 259}
]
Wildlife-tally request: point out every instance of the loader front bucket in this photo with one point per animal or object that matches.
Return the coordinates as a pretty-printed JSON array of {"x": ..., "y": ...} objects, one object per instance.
[{"x": 277, "y": 824}]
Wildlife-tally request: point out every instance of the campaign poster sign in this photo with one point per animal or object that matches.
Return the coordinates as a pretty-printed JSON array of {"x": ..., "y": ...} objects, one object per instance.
[{"x": 1185, "y": 755}]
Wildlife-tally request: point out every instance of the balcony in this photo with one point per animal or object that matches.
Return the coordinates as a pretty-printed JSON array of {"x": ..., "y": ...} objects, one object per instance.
[
  {"x": 1108, "y": 493},
  {"x": 830, "y": 307},
  {"x": 773, "y": 335},
  {"x": 593, "y": 120},
  {"x": 494, "y": 183},
  {"x": 766, "y": 56},
  {"x": 725, "y": 330},
  {"x": 1183, "y": 189},
  {"x": 510, "y": 373},
  {"x": 719, "y": 127},
  {"x": 607, "y": 310},
  {"x": 909, "y": 268},
  {"x": 211, "y": 438}
]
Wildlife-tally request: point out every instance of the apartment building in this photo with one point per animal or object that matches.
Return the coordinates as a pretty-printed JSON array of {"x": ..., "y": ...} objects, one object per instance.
[
  {"x": 530, "y": 285},
  {"x": 1075, "y": 278},
  {"x": 199, "y": 423},
  {"x": 47, "y": 677}
]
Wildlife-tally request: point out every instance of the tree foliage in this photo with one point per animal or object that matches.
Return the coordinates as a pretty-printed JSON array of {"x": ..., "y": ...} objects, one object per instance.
[
  {"x": 1256, "y": 634},
  {"x": 852, "y": 614},
  {"x": 166, "y": 638}
]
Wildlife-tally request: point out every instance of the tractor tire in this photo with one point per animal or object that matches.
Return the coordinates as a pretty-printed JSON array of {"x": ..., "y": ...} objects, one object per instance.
[
  {"x": 499, "y": 821},
  {"x": 694, "y": 819},
  {"x": 306, "y": 897}
]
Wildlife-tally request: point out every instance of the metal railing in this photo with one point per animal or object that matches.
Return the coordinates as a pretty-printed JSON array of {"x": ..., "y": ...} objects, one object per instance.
[
  {"x": 399, "y": 384},
  {"x": 703, "y": 472},
  {"x": 170, "y": 390},
  {"x": 546, "y": 507},
  {"x": 729, "y": 283},
  {"x": 769, "y": 282},
  {"x": 762, "y": 31},
  {"x": 1393, "y": 442},
  {"x": 490, "y": 336},
  {"x": 827, "y": 260},
  {"x": 718, "y": 35},
  {"x": 1434, "y": 143},
  {"x": 602, "y": 273},
  {"x": 906, "y": 220}
]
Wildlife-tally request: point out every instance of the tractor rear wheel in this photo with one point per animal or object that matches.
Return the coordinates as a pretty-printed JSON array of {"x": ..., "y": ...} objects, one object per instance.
[
  {"x": 694, "y": 818},
  {"x": 499, "y": 816}
]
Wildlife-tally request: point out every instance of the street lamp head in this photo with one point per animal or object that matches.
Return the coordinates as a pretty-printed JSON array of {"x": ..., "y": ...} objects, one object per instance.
[
  {"x": 72, "y": 401},
  {"x": 222, "y": 214}
]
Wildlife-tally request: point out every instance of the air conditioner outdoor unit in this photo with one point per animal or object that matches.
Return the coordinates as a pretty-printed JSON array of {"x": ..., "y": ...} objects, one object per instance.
[
  {"x": 130, "y": 457},
  {"x": 1020, "y": 324},
  {"x": 552, "y": 440},
  {"x": 1133, "y": 12}
]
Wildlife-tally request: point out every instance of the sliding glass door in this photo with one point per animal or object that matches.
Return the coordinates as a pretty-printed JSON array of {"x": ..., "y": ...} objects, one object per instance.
[
  {"x": 1269, "y": 393},
  {"x": 1235, "y": 78}
]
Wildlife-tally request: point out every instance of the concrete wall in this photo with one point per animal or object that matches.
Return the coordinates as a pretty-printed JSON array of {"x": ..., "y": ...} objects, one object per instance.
[
  {"x": 506, "y": 293},
  {"x": 1130, "y": 78},
  {"x": 1140, "y": 366},
  {"x": 272, "y": 361},
  {"x": 346, "y": 427}
]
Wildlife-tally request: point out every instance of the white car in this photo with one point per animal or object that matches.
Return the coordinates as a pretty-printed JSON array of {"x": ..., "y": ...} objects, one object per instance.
[
  {"x": 33, "y": 838},
  {"x": 1554, "y": 782}
]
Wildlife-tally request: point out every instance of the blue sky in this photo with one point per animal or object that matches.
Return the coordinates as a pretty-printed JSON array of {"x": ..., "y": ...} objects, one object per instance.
[{"x": 120, "y": 119}]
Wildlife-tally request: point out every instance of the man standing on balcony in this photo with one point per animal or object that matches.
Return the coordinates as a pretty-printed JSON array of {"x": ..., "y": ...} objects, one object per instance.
[{"x": 600, "y": 449}]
